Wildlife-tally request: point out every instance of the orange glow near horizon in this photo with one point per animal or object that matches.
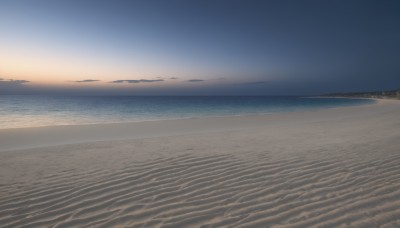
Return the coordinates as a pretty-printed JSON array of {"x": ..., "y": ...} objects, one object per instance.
[
  {"x": 53, "y": 69},
  {"x": 46, "y": 68}
]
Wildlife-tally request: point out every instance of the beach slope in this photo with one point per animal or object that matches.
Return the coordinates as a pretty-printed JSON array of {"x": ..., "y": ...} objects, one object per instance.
[{"x": 326, "y": 168}]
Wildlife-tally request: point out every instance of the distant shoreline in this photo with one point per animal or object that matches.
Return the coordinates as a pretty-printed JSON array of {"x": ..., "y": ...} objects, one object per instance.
[
  {"x": 390, "y": 94},
  {"x": 370, "y": 98}
]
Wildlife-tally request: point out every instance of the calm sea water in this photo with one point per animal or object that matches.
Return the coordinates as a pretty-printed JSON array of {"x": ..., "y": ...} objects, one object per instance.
[{"x": 29, "y": 111}]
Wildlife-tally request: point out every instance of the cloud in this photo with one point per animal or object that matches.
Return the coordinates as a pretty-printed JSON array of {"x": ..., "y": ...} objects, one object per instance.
[
  {"x": 87, "y": 80},
  {"x": 156, "y": 80},
  {"x": 195, "y": 80},
  {"x": 12, "y": 82},
  {"x": 137, "y": 81},
  {"x": 173, "y": 78}
]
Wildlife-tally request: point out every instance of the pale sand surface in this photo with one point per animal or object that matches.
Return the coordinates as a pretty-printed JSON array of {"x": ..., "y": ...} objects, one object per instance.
[{"x": 326, "y": 168}]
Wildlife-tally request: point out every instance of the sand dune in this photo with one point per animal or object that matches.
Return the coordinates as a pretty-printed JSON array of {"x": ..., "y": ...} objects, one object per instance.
[{"x": 326, "y": 171}]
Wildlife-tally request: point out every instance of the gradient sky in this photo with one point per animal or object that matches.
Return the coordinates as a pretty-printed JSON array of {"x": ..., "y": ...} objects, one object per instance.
[{"x": 166, "y": 47}]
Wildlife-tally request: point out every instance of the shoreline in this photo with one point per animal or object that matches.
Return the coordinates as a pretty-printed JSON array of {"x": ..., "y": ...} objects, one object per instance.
[
  {"x": 40, "y": 136},
  {"x": 201, "y": 116}
]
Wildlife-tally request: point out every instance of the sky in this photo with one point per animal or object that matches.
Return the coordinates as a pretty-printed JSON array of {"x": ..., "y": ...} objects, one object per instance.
[{"x": 207, "y": 47}]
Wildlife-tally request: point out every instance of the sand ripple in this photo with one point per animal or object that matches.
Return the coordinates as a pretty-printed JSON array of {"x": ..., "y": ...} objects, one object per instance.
[{"x": 215, "y": 191}]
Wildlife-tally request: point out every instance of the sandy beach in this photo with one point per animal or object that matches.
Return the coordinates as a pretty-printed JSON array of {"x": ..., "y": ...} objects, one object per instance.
[{"x": 335, "y": 167}]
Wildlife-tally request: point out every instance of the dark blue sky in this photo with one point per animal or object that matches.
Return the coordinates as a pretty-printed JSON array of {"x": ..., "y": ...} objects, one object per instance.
[{"x": 233, "y": 47}]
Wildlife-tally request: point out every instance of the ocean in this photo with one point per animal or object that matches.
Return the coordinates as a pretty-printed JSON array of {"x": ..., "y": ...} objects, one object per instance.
[{"x": 30, "y": 111}]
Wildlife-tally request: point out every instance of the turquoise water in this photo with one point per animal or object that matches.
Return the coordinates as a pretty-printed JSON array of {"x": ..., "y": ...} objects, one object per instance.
[{"x": 29, "y": 111}]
